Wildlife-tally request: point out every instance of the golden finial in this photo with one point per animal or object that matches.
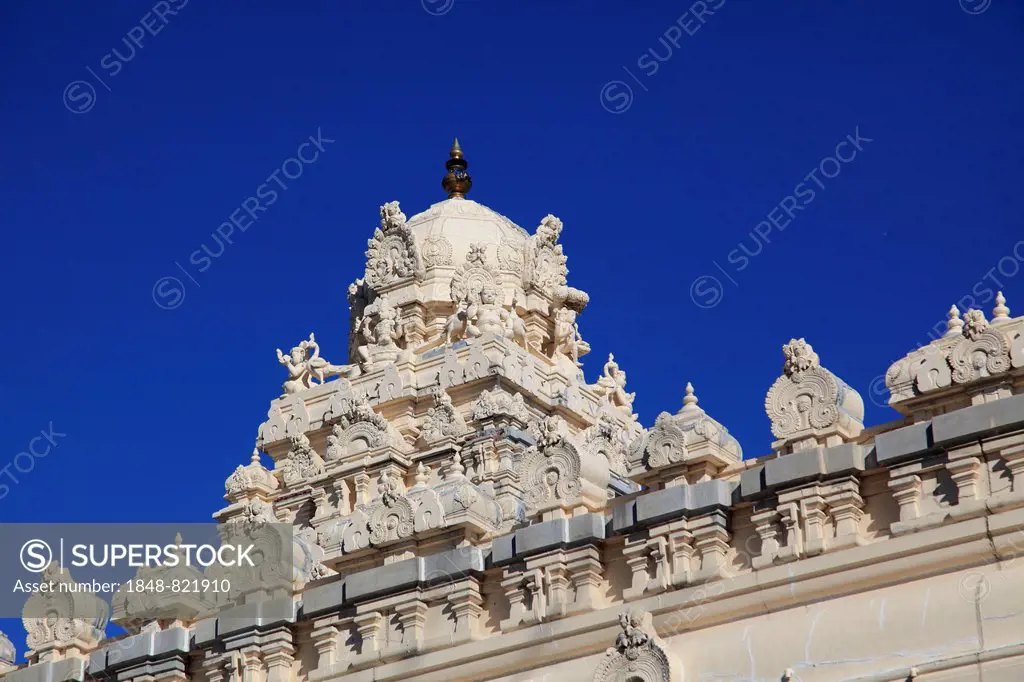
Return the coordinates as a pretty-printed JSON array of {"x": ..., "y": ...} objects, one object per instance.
[{"x": 457, "y": 181}]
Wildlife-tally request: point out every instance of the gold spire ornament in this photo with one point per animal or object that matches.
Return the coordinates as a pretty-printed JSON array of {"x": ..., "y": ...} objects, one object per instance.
[{"x": 457, "y": 181}]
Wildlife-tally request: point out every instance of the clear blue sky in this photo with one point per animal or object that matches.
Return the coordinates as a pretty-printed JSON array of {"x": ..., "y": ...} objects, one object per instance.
[{"x": 160, "y": 405}]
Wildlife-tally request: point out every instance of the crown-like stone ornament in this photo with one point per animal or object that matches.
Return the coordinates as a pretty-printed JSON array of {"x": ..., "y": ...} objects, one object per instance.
[
  {"x": 809, "y": 406},
  {"x": 392, "y": 254},
  {"x": 686, "y": 447},
  {"x": 251, "y": 479},
  {"x": 639, "y": 655},
  {"x": 63, "y": 621},
  {"x": 975, "y": 361}
]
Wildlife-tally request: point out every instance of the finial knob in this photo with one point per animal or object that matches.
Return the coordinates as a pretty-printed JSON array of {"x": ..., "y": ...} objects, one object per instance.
[
  {"x": 690, "y": 399},
  {"x": 1000, "y": 313},
  {"x": 953, "y": 322},
  {"x": 457, "y": 181}
]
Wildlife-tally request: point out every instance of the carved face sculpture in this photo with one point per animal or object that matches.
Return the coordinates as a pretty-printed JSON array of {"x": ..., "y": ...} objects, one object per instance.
[{"x": 298, "y": 355}]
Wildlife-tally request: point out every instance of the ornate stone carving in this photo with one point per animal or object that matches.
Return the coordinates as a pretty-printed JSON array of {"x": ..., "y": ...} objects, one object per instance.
[
  {"x": 550, "y": 471},
  {"x": 982, "y": 352},
  {"x": 808, "y": 405},
  {"x": 436, "y": 251},
  {"x": 612, "y": 385},
  {"x": 545, "y": 262},
  {"x": 391, "y": 518},
  {"x": 392, "y": 254},
  {"x": 360, "y": 429},
  {"x": 304, "y": 364},
  {"x": 443, "y": 421},
  {"x": 689, "y": 437},
  {"x": 475, "y": 290},
  {"x": 570, "y": 302},
  {"x": 932, "y": 379},
  {"x": 608, "y": 439},
  {"x": 381, "y": 329},
  {"x": 257, "y": 512},
  {"x": 251, "y": 478},
  {"x": 302, "y": 462},
  {"x": 496, "y": 402},
  {"x": 666, "y": 442},
  {"x": 63, "y": 617},
  {"x": 510, "y": 256},
  {"x": 638, "y": 655}
]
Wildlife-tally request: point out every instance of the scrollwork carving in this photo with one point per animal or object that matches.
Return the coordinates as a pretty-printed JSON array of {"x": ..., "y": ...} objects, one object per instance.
[
  {"x": 982, "y": 352},
  {"x": 392, "y": 254},
  {"x": 638, "y": 655}
]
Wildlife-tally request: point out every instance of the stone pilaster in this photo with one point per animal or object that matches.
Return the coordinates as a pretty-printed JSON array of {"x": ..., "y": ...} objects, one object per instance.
[
  {"x": 766, "y": 523},
  {"x": 847, "y": 507},
  {"x": 906, "y": 490},
  {"x": 712, "y": 542},
  {"x": 585, "y": 570}
]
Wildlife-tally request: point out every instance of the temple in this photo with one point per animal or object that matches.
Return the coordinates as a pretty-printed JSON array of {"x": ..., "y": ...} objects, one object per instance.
[{"x": 466, "y": 506}]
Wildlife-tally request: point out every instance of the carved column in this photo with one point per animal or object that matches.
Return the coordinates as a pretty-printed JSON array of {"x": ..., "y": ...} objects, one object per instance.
[
  {"x": 323, "y": 504},
  {"x": 467, "y": 606},
  {"x": 278, "y": 655},
  {"x": 789, "y": 517},
  {"x": 362, "y": 483},
  {"x": 635, "y": 553},
  {"x": 766, "y": 523},
  {"x": 964, "y": 467},
  {"x": 712, "y": 542},
  {"x": 907, "y": 492},
  {"x": 325, "y": 642},
  {"x": 369, "y": 627},
  {"x": 252, "y": 664},
  {"x": 341, "y": 494},
  {"x": 847, "y": 508},
  {"x": 527, "y": 600},
  {"x": 585, "y": 571},
  {"x": 812, "y": 508},
  {"x": 1014, "y": 458},
  {"x": 557, "y": 581},
  {"x": 680, "y": 548},
  {"x": 412, "y": 616}
]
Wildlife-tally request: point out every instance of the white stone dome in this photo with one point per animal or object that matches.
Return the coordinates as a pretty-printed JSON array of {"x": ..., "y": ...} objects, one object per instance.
[{"x": 445, "y": 231}]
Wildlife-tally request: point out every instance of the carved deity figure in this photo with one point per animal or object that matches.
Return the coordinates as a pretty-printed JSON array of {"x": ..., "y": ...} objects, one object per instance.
[
  {"x": 381, "y": 329},
  {"x": 613, "y": 381},
  {"x": 387, "y": 488},
  {"x": 515, "y": 328},
  {"x": 477, "y": 294},
  {"x": 304, "y": 364},
  {"x": 632, "y": 636},
  {"x": 486, "y": 316},
  {"x": 302, "y": 462},
  {"x": 567, "y": 335}
]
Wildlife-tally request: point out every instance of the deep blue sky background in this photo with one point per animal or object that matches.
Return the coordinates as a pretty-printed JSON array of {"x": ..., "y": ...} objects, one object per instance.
[{"x": 160, "y": 405}]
